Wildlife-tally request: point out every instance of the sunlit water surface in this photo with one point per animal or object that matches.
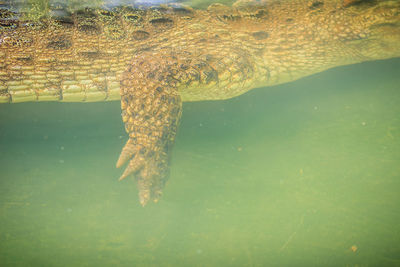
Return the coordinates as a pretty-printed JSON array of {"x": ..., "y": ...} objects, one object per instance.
[{"x": 302, "y": 174}]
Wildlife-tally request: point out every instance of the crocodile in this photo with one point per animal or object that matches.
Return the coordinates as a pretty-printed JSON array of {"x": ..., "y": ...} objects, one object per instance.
[{"x": 154, "y": 58}]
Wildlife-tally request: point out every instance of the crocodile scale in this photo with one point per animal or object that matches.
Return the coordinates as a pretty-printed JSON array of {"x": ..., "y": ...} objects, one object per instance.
[{"x": 154, "y": 58}]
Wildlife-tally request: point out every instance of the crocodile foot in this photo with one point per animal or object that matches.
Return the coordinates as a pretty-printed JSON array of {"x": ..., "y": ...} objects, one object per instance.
[
  {"x": 150, "y": 167},
  {"x": 151, "y": 109}
]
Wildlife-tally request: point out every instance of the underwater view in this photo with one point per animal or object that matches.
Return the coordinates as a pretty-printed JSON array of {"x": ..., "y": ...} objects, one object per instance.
[{"x": 302, "y": 172}]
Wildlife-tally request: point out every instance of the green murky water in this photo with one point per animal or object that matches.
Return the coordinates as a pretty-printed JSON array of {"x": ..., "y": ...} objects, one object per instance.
[{"x": 291, "y": 175}]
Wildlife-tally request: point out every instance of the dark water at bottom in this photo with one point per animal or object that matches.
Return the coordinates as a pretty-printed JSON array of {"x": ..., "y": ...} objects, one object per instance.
[{"x": 301, "y": 174}]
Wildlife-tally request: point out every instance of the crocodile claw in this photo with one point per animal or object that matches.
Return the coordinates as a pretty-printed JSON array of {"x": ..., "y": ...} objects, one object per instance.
[
  {"x": 126, "y": 154},
  {"x": 134, "y": 165},
  {"x": 129, "y": 153}
]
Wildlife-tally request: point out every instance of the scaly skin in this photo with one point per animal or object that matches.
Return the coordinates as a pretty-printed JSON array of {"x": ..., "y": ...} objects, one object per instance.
[{"x": 156, "y": 58}]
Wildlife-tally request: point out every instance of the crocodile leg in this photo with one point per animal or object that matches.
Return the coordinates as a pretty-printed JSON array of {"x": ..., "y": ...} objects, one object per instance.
[
  {"x": 151, "y": 104},
  {"x": 151, "y": 110}
]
